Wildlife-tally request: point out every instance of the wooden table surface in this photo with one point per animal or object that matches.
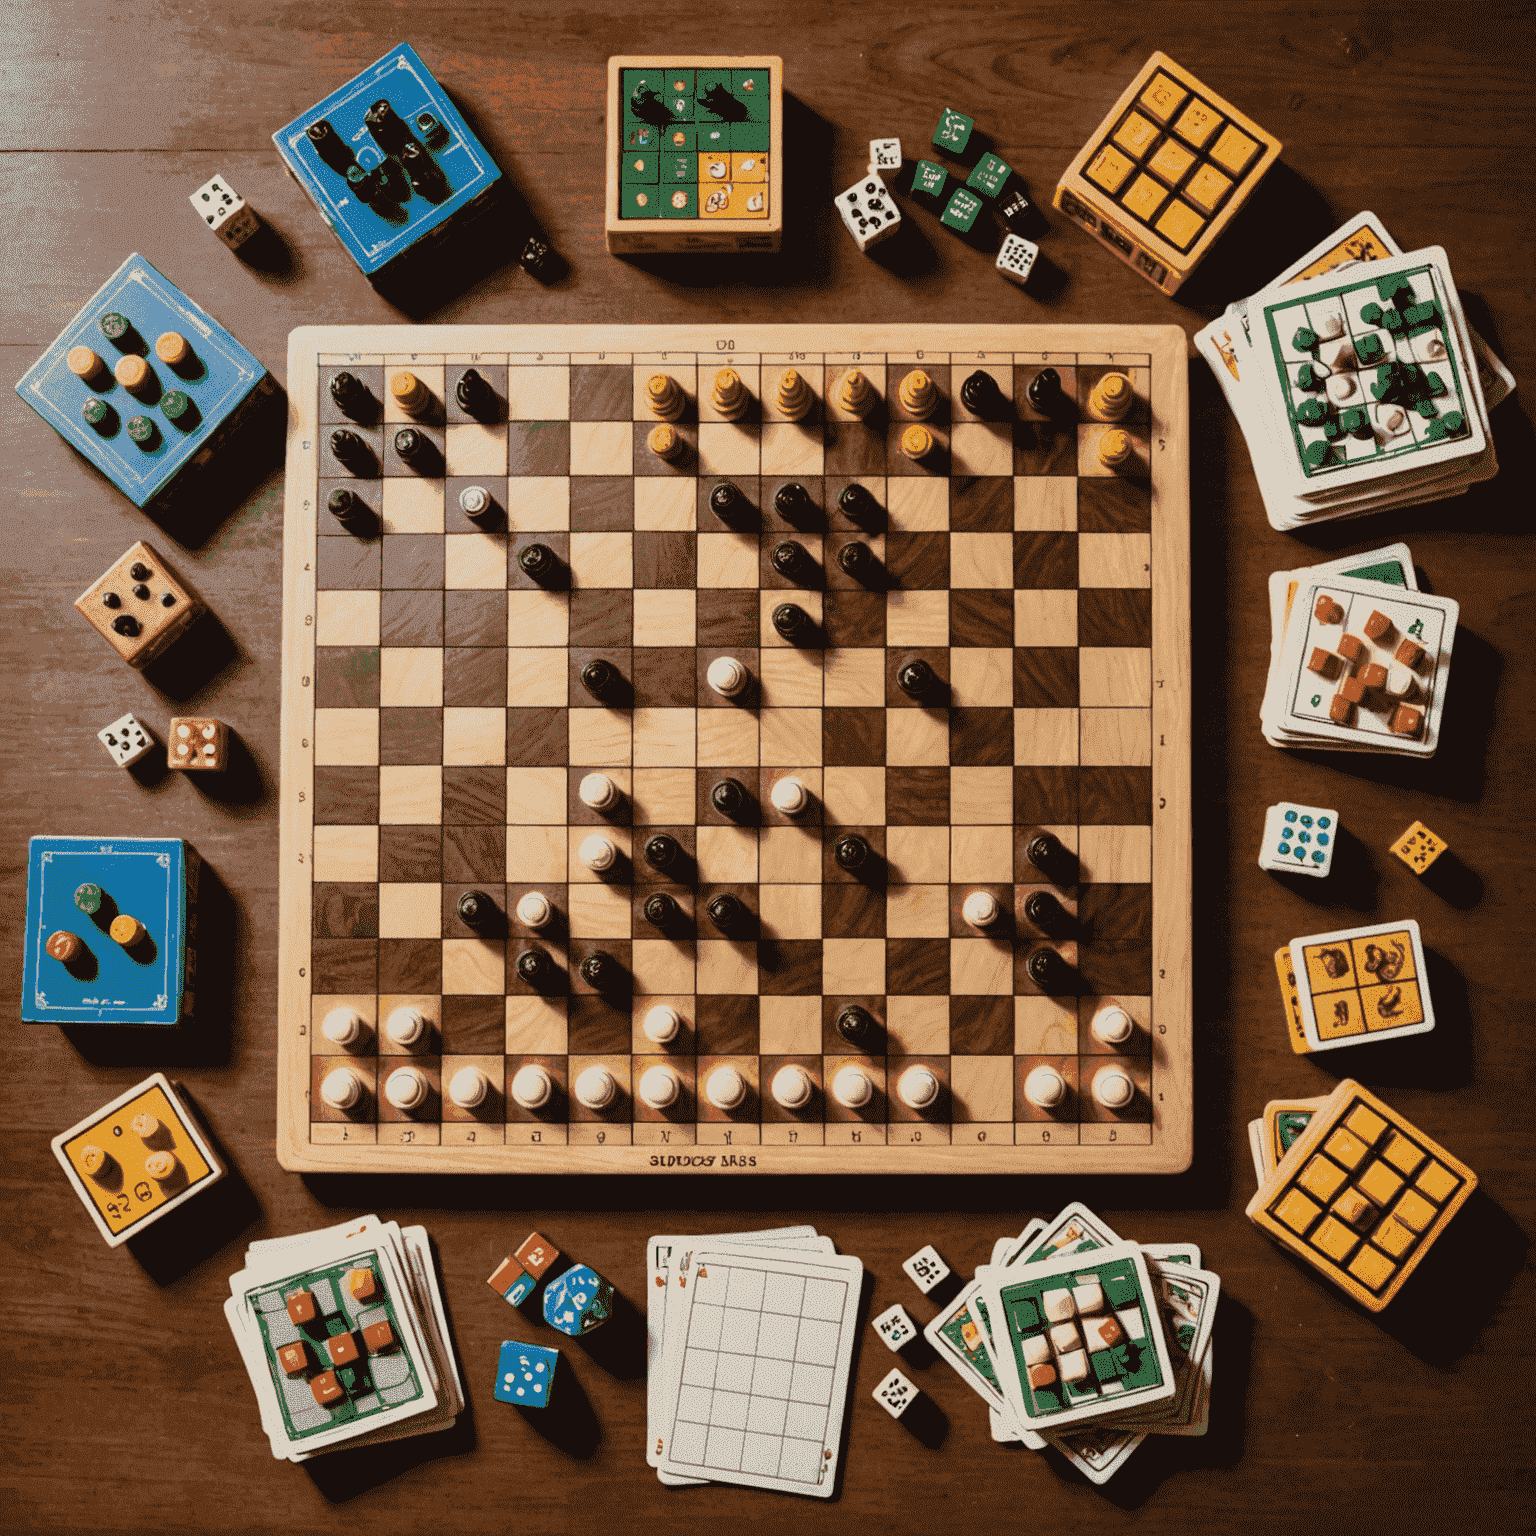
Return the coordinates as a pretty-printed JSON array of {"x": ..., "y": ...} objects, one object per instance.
[{"x": 126, "y": 1408}]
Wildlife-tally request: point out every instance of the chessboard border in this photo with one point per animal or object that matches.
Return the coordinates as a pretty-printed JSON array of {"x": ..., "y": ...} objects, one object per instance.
[{"x": 1171, "y": 1148}]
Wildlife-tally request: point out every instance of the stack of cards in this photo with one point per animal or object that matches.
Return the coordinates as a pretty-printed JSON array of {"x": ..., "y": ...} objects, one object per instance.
[
  {"x": 749, "y": 1344},
  {"x": 344, "y": 1337},
  {"x": 1357, "y": 381},
  {"x": 1359, "y": 658},
  {"x": 1274, "y": 1133},
  {"x": 1079, "y": 1340}
]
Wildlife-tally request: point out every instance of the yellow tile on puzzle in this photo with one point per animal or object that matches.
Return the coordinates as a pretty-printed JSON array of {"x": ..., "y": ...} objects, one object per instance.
[
  {"x": 1371, "y": 1269},
  {"x": 1393, "y": 1237},
  {"x": 1144, "y": 198},
  {"x": 1178, "y": 224},
  {"x": 1135, "y": 135},
  {"x": 1162, "y": 97},
  {"x": 1234, "y": 150},
  {"x": 1109, "y": 169},
  {"x": 1197, "y": 122},
  {"x": 1436, "y": 1181},
  {"x": 1414, "y": 1211},
  {"x": 1379, "y": 1183},
  {"x": 1345, "y": 1147},
  {"x": 1329, "y": 967},
  {"x": 1206, "y": 188},
  {"x": 1335, "y": 1239},
  {"x": 1384, "y": 957}
]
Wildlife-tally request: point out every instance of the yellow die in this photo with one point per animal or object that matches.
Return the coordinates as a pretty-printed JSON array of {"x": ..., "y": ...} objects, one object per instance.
[{"x": 1418, "y": 847}]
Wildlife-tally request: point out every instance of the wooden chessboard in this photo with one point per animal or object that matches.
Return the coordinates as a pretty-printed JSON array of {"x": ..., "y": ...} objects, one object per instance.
[{"x": 435, "y": 732}]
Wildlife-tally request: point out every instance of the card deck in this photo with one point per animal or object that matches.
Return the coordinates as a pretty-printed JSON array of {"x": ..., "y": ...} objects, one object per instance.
[{"x": 1361, "y": 984}]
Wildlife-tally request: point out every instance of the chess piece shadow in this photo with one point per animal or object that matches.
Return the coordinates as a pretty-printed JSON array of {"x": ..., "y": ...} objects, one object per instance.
[
  {"x": 926, "y": 1422},
  {"x": 195, "y": 660},
  {"x": 270, "y": 257}
]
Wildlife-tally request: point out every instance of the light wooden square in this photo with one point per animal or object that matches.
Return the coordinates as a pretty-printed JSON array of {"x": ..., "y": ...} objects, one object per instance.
[
  {"x": 410, "y": 911},
  {"x": 536, "y": 1026},
  {"x": 982, "y": 676},
  {"x": 597, "y": 911},
  {"x": 538, "y": 678},
  {"x": 1044, "y": 738},
  {"x": 1116, "y": 855},
  {"x": 603, "y": 559},
  {"x": 347, "y": 853},
  {"x": 791, "y": 911},
  {"x": 665, "y": 738},
  {"x": 854, "y": 796},
  {"x": 539, "y": 504},
  {"x": 1114, "y": 560},
  {"x": 665, "y": 616},
  {"x": 1117, "y": 738},
  {"x": 853, "y": 678},
  {"x": 1114, "y": 677},
  {"x": 749, "y": 373},
  {"x": 981, "y": 796},
  {"x": 724, "y": 967},
  {"x": 666, "y": 504},
  {"x": 726, "y": 560},
  {"x": 789, "y": 855},
  {"x": 917, "y": 504},
  {"x": 981, "y": 448},
  {"x": 622, "y": 838},
  {"x": 411, "y": 677},
  {"x": 1045, "y": 504},
  {"x": 727, "y": 738},
  {"x": 791, "y": 678},
  {"x": 1045, "y": 617},
  {"x": 728, "y": 447},
  {"x": 409, "y": 504},
  {"x": 791, "y": 448},
  {"x": 475, "y": 562},
  {"x": 537, "y": 393},
  {"x": 346, "y": 738},
  {"x": 662, "y": 967},
  {"x": 917, "y": 911},
  {"x": 411, "y": 795},
  {"x": 916, "y": 738},
  {"x": 727, "y": 855},
  {"x": 980, "y": 968},
  {"x": 664, "y": 797},
  {"x": 789, "y": 1026},
  {"x": 536, "y": 617},
  {"x": 788, "y": 736},
  {"x": 430, "y": 374},
  {"x": 852, "y": 966},
  {"x": 917, "y": 855},
  {"x": 598, "y": 737},
  {"x": 917, "y": 618},
  {"x": 917, "y": 1026},
  {"x": 476, "y": 449},
  {"x": 1045, "y": 1026},
  {"x": 981, "y": 560},
  {"x": 979, "y": 855},
  {"x": 981, "y": 1089},
  {"x": 537, "y": 855},
  {"x": 473, "y": 737},
  {"x": 474, "y": 966},
  {"x": 346, "y": 618},
  {"x": 602, "y": 448}
]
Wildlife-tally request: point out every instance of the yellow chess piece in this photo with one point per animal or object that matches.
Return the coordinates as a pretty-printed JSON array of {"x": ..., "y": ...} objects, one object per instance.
[
  {"x": 917, "y": 442},
  {"x": 1114, "y": 447},
  {"x": 855, "y": 394},
  {"x": 794, "y": 398},
  {"x": 666, "y": 442},
  {"x": 918, "y": 394},
  {"x": 1111, "y": 397},
  {"x": 665, "y": 397},
  {"x": 730, "y": 397},
  {"x": 410, "y": 394}
]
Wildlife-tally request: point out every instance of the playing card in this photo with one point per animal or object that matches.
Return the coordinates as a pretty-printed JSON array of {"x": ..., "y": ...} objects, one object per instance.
[{"x": 1360, "y": 983}]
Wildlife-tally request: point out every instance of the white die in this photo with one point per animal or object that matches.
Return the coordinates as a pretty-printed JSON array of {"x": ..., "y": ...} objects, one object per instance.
[
  {"x": 1299, "y": 838},
  {"x": 1017, "y": 258},
  {"x": 885, "y": 155},
  {"x": 225, "y": 212},
  {"x": 895, "y": 1327},
  {"x": 925, "y": 1268},
  {"x": 869, "y": 212},
  {"x": 126, "y": 741},
  {"x": 895, "y": 1394}
]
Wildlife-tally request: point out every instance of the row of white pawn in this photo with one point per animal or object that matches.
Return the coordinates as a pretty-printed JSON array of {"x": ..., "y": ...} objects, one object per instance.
[{"x": 918, "y": 1087}]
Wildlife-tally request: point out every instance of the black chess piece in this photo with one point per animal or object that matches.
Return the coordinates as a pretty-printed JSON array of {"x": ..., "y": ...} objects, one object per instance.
[
  {"x": 793, "y": 503},
  {"x": 475, "y": 396},
  {"x": 350, "y": 510},
  {"x": 416, "y": 449},
  {"x": 539, "y": 563},
  {"x": 854, "y": 559},
  {"x": 793, "y": 563},
  {"x": 1044, "y": 393},
  {"x": 476, "y": 910},
  {"x": 727, "y": 913},
  {"x": 536, "y": 258},
  {"x": 728, "y": 504},
  {"x": 794, "y": 623},
  {"x": 857, "y": 503},
  {"x": 981, "y": 396},
  {"x": 330, "y": 146},
  {"x": 857, "y": 1026},
  {"x": 663, "y": 851},
  {"x": 352, "y": 453},
  {"x": 384, "y": 124},
  {"x": 601, "y": 970},
  {"x": 533, "y": 967},
  {"x": 852, "y": 852},
  {"x": 353, "y": 398},
  {"x": 917, "y": 679},
  {"x": 729, "y": 797},
  {"x": 661, "y": 910},
  {"x": 1045, "y": 851},
  {"x": 1047, "y": 914},
  {"x": 1048, "y": 970},
  {"x": 600, "y": 678},
  {"x": 423, "y": 172}
]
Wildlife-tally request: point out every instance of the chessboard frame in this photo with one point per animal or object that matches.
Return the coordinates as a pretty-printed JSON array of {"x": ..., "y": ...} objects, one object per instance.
[{"x": 1169, "y": 1145}]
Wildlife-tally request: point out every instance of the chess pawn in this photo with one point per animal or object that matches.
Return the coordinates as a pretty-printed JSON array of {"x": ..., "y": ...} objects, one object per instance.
[
  {"x": 918, "y": 1088},
  {"x": 728, "y": 914},
  {"x": 533, "y": 966},
  {"x": 407, "y": 1089},
  {"x": 917, "y": 443},
  {"x": 728, "y": 504},
  {"x": 792, "y": 1087},
  {"x": 729, "y": 798},
  {"x": 729, "y": 396},
  {"x": 476, "y": 504},
  {"x": 468, "y": 1087},
  {"x": 1113, "y": 1087},
  {"x": 476, "y": 910},
  {"x": 857, "y": 1026},
  {"x": 789, "y": 796},
  {"x": 852, "y": 1087},
  {"x": 410, "y": 394},
  {"x": 1112, "y": 1026},
  {"x": 661, "y": 911},
  {"x": 666, "y": 442},
  {"x": 598, "y": 853},
  {"x": 659, "y": 1087},
  {"x": 342, "y": 1089},
  {"x": 1048, "y": 970},
  {"x": 916, "y": 679},
  {"x": 532, "y": 1087},
  {"x": 854, "y": 559},
  {"x": 725, "y": 1088},
  {"x": 981, "y": 396},
  {"x": 852, "y": 852},
  {"x": 918, "y": 394},
  {"x": 664, "y": 397},
  {"x": 600, "y": 971},
  {"x": 793, "y": 503},
  {"x": 535, "y": 910},
  {"x": 857, "y": 503},
  {"x": 727, "y": 676},
  {"x": 792, "y": 562},
  {"x": 981, "y": 909},
  {"x": 1045, "y": 394},
  {"x": 1114, "y": 447},
  {"x": 855, "y": 394},
  {"x": 661, "y": 1024},
  {"x": 1045, "y": 1087},
  {"x": 663, "y": 851},
  {"x": 1111, "y": 398},
  {"x": 407, "y": 1027},
  {"x": 598, "y": 792},
  {"x": 1047, "y": 914},
  {"x": 476, "y": 398},
  {"x": 794, "y": 398},
  {"x": 344, "y": 1027},
  {"x": 596, "y": 1088}
]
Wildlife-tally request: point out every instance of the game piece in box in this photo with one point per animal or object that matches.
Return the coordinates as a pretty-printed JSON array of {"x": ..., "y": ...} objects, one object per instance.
[
  {"x": 1299, "y": 838},
  {"x": 143, "y": 382},
  {"x": 139, "y": 607},
  {"x": 695, "y": 152},
  {"x": 525, "y": 1374},
  {"x": 1164, "y": 173},
  {"x": 1418, "y": 847},
  {"x": 1360, "y": 984},
  {"x": 392, "y": 166},
  {"x": 1361, "y": 1195},
  {"x": 137, "y": 1158},
  {"x": 110, "y": 928}
]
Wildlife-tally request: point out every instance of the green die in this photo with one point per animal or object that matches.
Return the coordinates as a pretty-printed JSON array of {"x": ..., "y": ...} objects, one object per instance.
[
  {"x": 990, "y": 174},
  {"x": 679, "y": 168},
  {"x": 1371, "y": 314},
  {"x": 961, "y": 213},
  {"x": 1356, "y": 422},
  {"x": 929, "y": 178},
  {"x": 639, "y": 201},
  {"x": 1305, "y": 339},
  {"x": 637, "y": 167},
  {"x": 954, "y": 131},
  {"x": 1417, "y": 315},
  {"x": 750, "y": 136},
  {"x": 679, "y": 202},
  {"x": 751, "y": 88},
  {"x": 1369, "y": 348}
]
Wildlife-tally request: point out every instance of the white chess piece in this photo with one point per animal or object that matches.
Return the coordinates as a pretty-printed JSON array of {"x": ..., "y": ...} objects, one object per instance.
[
  {"x": 534, "y": 909},
  {"x": 407, "y": 1027},
  {"x": 1113, "y": 1088},
  {"x": 1112, "y": 1025},
  {"x": 981, "y": 909},
  {"x": 598, "y": 853},
  {"x": 725, "y": 1088},
  {"x": 406, "y": 1088},
  {"x": 1331, "y": 326},
  {"x": 727, "y": 676},
  {"x": 852, "y": 1087},
  {"x": 598, "y": 792},
  {"x": 918, "y": 1088},
  {"x": 659, "y": 1087},
  {"x": 1045, "y": 1087},
  {"x": 342, "y": 1088},
  {"x": 789, "y": 796},
  {"x": 792, "y": 1087},
  {"x": 661, "y": 1024},
  {"x": 532, "y": 1087},
  {"x": 343, "y": 1026},
  {"x": 595, "y": 1088},
  {"x": 468, "y": 1087}
]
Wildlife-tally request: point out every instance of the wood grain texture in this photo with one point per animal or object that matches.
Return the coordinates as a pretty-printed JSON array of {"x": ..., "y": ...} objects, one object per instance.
[{"x": 127, "y": 1408}]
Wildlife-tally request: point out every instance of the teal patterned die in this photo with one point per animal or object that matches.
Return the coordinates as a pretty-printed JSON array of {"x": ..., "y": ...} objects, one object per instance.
[
  {"x": 954, "y": 131},
  {"x": 990, "y": 174},
  {"x": 525, "y": 1374},
  {"x": 962, "y": 210},
  {"x": 929, "y": 178},
  {"x": 578, "y": 1301}
]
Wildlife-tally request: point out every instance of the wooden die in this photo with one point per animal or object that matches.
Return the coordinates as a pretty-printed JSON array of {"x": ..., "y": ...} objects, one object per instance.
[
  {"x": 1324, "y": 663},
  {"x": 138, "y": 606},
  {"x": 198, "y": 744}
]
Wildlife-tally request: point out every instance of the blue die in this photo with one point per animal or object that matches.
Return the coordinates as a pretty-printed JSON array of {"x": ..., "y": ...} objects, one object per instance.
[
  {"x": 525, "y": 1374},
  {"x": 578, "y": 1301}
]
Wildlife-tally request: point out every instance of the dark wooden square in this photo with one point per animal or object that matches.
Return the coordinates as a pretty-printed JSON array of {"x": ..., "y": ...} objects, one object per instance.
[
  {"x": 1045, "y": 560},
  {"x": 410, "y": 736},
  {"x": 474, "y": 796},
  {"x": 917, "y": 797},
  {"x": 473, "y": 618},
  {"x": 415, "y": 618},
  {"x": 347, "y": 910},
  {"x": 1114, "y": 616},
  {"x": 1045, "y": 677},
  {"x": 726, "y": 1025},
  {"x": 410, "y": 855},
  {"x": 853, "y": 619},
  {"x": 475, "y": 677},
  {"x": 981, "y": 1026},
  {"x": 344, "y": 965},
  {"x": 727, "y": 616},
  {"x": 1115, "y": 947},
  {"x": 474, "y": 1026},
  {"x": 411, "y": 966},
  {"x": 980, "y": 616},
  {"x": 474, "y": 853},
  {"x": 602, "y": 616},
  {"x": 346, "y": 797},
  {"x": 599, "y": 1026},
  {"x": 1114, "y": 504},
  {"x": 602, "y": 392},
  {"x": 917, "y": 967},
  {"x": 853, "y": 911},
  {"x": 789, "y": 967},
  {"x": 665, "y": 676},
  {"x": 981, "y": 504},
  {"x": 665, "y": 559},
  {"x": 602, "y": 503},
  {"x": 413, "y": 560},
  {"x": 1044, "y": 448},
  {"x": 980, "y": 736},
  {"x": 855, "y": 447},
  {"x": 917, "y": 561},
  {"x": 853, "y": 737},
  {"x": 1115, "y": 797},
  {"x": 537, "y": 738},
  {"x": 1045, "y": 796},
  {"x": 348, "y": 564}
]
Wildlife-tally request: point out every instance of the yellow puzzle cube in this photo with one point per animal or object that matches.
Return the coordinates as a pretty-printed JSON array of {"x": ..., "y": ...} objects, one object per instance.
[{"x": 1418, "y": 847}]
